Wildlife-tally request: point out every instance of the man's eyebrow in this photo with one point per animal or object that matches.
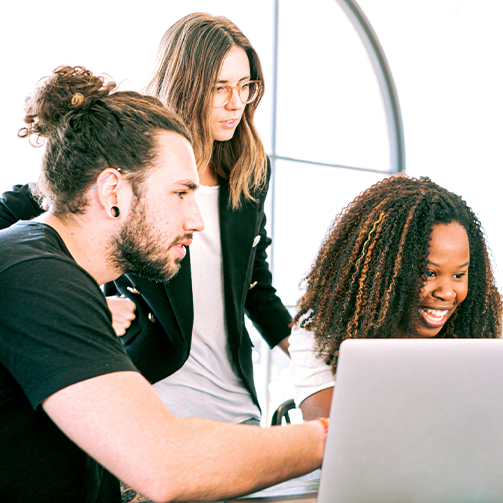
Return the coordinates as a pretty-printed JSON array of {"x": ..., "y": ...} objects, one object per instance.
[{"x": 188, "y": 183}]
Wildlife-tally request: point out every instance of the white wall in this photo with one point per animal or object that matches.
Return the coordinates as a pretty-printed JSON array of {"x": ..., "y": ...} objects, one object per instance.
[
  {"x": 117, "y": 38},
  {"x": 446, "y": 57}
]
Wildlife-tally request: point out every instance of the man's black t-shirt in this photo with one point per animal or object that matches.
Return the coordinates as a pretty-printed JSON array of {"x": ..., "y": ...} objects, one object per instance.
[{"x": 55, "y": 331}]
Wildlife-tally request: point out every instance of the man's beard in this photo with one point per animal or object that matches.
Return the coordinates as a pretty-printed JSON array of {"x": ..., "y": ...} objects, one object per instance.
[{"x": 138, "y": 249}]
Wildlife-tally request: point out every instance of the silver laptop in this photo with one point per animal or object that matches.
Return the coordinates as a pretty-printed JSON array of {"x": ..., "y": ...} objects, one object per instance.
[{"x": 416, "y": 421}]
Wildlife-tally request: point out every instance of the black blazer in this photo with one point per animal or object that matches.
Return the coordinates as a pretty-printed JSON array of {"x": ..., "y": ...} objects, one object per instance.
[{"x": 159, "y": 338}]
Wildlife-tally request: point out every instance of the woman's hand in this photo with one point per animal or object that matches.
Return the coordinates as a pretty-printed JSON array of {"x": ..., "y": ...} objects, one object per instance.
[{"x": 123, "y": 313}]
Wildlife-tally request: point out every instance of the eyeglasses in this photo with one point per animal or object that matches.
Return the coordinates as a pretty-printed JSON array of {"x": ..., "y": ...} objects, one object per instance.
[{"x": 247, "y": 91}]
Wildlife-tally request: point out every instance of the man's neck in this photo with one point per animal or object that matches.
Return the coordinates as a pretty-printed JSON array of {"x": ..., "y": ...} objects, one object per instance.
[{"x": 86, "y": 244}]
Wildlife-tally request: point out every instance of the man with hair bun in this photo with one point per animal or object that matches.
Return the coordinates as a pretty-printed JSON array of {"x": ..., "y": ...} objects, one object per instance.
[
  {"x": 118, "y": 180},
  {"x": 188, "y": 336}
]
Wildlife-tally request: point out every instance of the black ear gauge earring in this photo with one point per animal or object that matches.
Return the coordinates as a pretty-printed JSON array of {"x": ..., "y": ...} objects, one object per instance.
[{"x": 114, "y": 210}]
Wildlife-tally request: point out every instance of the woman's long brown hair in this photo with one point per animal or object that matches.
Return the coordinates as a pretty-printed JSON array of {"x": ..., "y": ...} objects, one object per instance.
[{"x": 188, "y": 64}]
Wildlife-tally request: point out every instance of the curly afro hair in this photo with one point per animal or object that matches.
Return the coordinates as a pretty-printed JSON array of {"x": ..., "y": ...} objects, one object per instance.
[{"x": 367, "y": 278}]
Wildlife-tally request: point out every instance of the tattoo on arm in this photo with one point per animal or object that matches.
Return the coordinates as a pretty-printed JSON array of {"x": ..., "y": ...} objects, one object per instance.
[{"x": 129, "y": 495}]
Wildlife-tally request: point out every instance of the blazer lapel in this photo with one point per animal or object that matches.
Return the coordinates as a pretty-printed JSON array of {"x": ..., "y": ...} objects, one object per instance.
[{"x": 237, "y": 232}]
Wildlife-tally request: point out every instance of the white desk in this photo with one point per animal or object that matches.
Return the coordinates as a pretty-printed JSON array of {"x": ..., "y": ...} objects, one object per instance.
[{"x": 300, "y": 490}]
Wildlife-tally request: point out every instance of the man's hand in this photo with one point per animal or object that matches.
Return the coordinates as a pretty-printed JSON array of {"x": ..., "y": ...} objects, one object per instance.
[{"x": 123, "y": 313}]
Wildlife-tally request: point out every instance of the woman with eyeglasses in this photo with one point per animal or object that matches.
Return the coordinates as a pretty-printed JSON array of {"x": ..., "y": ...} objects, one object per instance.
[{"x": 207, "y": 72}]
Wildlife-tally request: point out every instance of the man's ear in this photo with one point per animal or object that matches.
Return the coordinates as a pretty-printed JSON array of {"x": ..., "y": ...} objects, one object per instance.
[{"x": 110, "y": 186}]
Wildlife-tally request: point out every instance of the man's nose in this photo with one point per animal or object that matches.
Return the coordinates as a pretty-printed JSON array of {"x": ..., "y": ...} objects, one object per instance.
[{"x": 194, "y": 221}]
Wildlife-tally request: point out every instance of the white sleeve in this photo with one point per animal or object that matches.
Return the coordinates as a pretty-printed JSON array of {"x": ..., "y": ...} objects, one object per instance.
[{"x": 308, "y": 372}]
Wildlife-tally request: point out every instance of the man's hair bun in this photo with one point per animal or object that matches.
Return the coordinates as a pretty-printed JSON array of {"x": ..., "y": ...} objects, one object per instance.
[
  {"x": 77, "y": 100},
  {"x": 57, "y": 97},
  {"x": 88, "y": 126}
]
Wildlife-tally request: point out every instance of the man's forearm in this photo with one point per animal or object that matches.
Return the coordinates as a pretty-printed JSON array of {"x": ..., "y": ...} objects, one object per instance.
[
  {"x": 236, "y": 462},
  {"x": 129, "y": 495},
  {"x": 120, "y": 421}
]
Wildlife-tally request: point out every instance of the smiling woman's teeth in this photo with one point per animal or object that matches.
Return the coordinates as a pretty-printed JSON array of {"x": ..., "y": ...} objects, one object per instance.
[{"x": 434, "y": 316}]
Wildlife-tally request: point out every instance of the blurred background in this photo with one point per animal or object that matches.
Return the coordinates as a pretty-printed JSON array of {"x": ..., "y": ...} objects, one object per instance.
[{"x": 328, "y": 120}]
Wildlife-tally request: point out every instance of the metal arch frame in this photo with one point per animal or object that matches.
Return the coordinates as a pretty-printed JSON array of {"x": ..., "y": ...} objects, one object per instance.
[
  {"x": 385, "y": 78},
  {"x": 393, "y": 113},
  {"x": 387, "y": 87}
]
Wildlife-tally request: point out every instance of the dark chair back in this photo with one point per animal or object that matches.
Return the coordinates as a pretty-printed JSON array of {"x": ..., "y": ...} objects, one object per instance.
[{"x": 282, "y": 412}]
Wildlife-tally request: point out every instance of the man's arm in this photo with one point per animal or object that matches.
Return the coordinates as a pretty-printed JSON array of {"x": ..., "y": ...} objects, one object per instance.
[{"x": 119, "y": 420}]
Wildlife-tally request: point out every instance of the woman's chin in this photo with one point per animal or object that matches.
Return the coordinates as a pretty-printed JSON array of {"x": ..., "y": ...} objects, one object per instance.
[{"x": 427, "y": 332}]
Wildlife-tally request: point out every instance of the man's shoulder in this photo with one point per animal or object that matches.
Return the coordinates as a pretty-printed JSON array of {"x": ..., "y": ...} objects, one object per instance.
[{"x": 27, "y": 241}]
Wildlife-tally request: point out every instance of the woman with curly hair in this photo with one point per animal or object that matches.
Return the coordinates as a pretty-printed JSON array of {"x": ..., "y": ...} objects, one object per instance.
[{"x": 406, "y": 258}]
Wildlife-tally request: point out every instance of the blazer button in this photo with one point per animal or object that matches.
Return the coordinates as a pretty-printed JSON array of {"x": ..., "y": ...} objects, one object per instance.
[
  {"x": 256, "y": 240},
  {"x": 151, "y": 317},
  {"x": 252, "y": 285},
  {"x": 132, "y": 290}
]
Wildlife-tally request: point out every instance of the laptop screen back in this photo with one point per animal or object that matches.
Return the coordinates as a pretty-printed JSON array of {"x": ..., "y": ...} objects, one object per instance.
[{"x": 416, "y": 421}]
